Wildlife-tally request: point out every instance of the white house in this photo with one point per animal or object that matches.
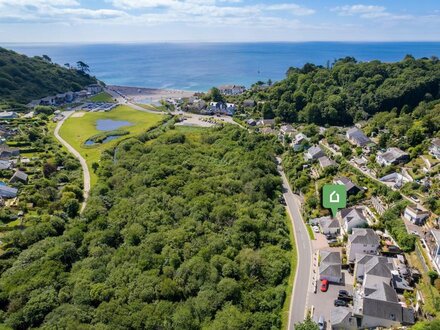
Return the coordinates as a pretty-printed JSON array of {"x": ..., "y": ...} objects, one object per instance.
[
  {"x": 329, "y": 226},
  {"x": 416, "y": 215},
  {"x": 299, "y": 140},
  {"x": 362, "y": 241}
]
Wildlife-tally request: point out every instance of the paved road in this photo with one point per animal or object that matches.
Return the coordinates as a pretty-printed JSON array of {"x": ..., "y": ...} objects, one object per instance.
[
  {"x": 86, "y": 173},
  {"x": 301, "y": 286}
]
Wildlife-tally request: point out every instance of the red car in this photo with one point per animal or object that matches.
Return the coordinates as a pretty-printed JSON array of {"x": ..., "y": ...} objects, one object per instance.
[{"x": 324, "y": 285}]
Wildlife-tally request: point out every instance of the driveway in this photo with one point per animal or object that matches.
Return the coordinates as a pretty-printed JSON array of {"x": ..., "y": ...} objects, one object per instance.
[
  {"x": 301, "y": 286},
  {"x": 85, "y": 169}
]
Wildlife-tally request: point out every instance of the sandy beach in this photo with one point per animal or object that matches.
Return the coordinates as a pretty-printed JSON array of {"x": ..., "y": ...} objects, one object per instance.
[{"x": 148, "y": 95}]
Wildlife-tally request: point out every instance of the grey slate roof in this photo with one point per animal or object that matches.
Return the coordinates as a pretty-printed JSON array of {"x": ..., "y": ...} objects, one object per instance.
[
  {"x": 364, "y": 236},
  {"x": 326, "y": 162},
  {"x": 8, "y": 192},
  {"x": 358, "y": 136},
  {"x": 328, "y": 223},
  {"x": 352, "y": 213},
  {"x": 330, "y": 257},
  {"x": 315, "y": 152},
  {"x": 20, "y": 176}
]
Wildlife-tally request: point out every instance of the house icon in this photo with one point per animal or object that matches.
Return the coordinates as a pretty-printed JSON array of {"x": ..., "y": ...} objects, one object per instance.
[{"x": 334, "y": 197}]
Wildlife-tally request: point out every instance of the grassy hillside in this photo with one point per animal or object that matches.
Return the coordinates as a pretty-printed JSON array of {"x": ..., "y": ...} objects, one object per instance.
[{"x": 23, "y": 79}]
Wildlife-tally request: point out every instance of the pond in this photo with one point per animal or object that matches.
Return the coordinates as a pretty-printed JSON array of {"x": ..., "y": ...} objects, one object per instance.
[
  {"x": 110, "y": 124},
  {"x": 107, "y": 139}
]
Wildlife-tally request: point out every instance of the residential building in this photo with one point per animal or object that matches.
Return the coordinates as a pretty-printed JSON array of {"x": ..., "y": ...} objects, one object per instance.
[
  {"x": 392, "y": 156},
  {"x": 353, "y": 217},
  {"x": 351, "y": 188},
  {"x": 378, "y": 205},
  {"x": 8, "y": 115},
  {"x": 357, "y": 137},
  {"x": 367, "y": 264},
  {"x": 48, "y": 101},
  {"x": 395, "y": 180},
  {"x": 362, "y": 241},
  {"x": 415, "y": 214},
  {"x": 8, "y": 192},
  {"x": 221, "y": 108},
  {"x": 376, "y": 304},
  {"x": 325, "y": 162},
  {"x": 434, "y": 148},
  {"x": 251, "y": 122},
  {"x": 330, "y": 267},
  {"x": 94, "y": 89},
  {"x": 329, "y": 225},
  {"x": 231, "y": 89},
  {"x": 248, "y": 103},
  {"x": 433, "y": 242},
  {"x": 286, "y": 131},
  {"x": 341, "y": 318},
  {"x": 19, "y": 176},
  {"x": 313, "y": 153},
  {"x": 7, "y": 152},
  {"x": 299, "y": 141},
  {"x": 266, "y": 122},
  {"x": 5, "y": 165}
]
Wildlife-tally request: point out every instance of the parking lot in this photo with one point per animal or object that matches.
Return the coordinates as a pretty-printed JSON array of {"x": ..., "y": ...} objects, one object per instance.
[{"x": 323, "y": 302}]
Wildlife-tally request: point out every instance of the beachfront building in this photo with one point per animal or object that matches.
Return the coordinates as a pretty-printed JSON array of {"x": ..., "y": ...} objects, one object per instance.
[
  {"x": 221, "y": 108},
  {"x": 231, "y": 89},
  {"x": 94, "y": 89}
]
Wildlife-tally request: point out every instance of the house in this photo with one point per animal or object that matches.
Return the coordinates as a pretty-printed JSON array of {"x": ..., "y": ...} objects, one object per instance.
[
  {"x": 341, "y": 318},
  {"x": 266, "y": 122},
  {"x": 248, "y": 103},
  {"x": 433, "y": 242},
  {"x": 7, "y": 152},
  {"x": 8, "y": 115},
  {"x": 314, "y": 153},
  {"x": 353, "y": 217},
  {"x": 48, "y": 101},
  {"x": 376, "y": 304},
  {"x": 221, "y": 108},
  {"x": 325, "y": 162},
  {"x": 363, "y": 241},
  {"x": 299, "y": 141},
  {"x": 8, "y": 192},
  {"x": 81, "y": 94},
  {"x": 434, "y": 148},
  {"x": 367, "y": 264},
  {"x": 5, "y": 165},
  {"x": 251, "y": 122},
  {"x": 330, "y": 267},
  {"x": 395, "y": 180},
  {"x": 19, "y": 176},
  {"x": 351, "y": 188},
  {"x": 195, "y": 105},
  {"x": 357, "y": 137},
  {"x": 268, "y": 131},
  {"x": 329, "y": 225},
  {"x": 416, "y": 215},
  {"x": 286, "y": 130},
  {"x": 94, "y": 89},
  {"x": 392, "y": 156},
  {"x": 231, "y": 89},
  {"x": 60, "y": 99}
]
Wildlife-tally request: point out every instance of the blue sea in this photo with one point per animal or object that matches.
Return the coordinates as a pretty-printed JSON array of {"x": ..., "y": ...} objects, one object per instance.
[{"x": 198, "y": 67}]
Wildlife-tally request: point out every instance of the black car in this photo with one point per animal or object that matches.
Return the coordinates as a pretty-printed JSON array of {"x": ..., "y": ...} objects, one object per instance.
[
  {"x": 344, "y": 293},
  {"x": 340, "y": 303}
]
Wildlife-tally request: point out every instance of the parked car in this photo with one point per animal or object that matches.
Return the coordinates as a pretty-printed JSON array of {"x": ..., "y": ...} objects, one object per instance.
[
  {"x": 415, "y": 198},
  {"x": 343, "y": 293},
  {"x": 340, "y": 303},
  {"x": 333, "y": 240},
  {"x": 324, "y": 285},
  {"x": 321, "y": 323},
  {"x": 315, "y": 229}
]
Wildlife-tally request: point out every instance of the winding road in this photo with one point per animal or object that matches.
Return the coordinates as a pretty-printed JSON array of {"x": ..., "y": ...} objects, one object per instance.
[
  {"x": 298, "y": 303},
  {"x": 73, "y": 151}
]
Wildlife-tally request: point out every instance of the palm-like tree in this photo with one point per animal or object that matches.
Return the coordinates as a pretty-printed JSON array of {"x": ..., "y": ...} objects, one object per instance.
[{"x": 83, "y": 67}]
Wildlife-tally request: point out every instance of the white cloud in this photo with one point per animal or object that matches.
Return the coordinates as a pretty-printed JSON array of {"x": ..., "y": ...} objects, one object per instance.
[{"x": 367, "y": 11}]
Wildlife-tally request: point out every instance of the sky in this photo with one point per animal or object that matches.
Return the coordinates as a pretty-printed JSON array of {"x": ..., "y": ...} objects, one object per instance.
[{"x": 95, "y": 21}]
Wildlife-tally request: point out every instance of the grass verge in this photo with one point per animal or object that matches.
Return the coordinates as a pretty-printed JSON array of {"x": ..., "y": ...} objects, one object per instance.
[
  {"x": 77, "y": 130},
  {"x": 310, "y": 231},
  {"x": 102, "y": 97},
  {"x": 293, "y": 264}
]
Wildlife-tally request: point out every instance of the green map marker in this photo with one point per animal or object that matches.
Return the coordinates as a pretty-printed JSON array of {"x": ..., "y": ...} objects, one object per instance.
[{"x": 334, "y": 197}]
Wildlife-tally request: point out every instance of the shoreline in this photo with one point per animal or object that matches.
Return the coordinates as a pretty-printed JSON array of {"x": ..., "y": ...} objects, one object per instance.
[{"x": 145, "y": 95}]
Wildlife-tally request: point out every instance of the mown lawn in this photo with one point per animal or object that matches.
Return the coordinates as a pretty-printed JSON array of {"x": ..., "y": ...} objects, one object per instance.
[
  {"x": 77, "y": 130},
  {"x": 102, "y": 97}
]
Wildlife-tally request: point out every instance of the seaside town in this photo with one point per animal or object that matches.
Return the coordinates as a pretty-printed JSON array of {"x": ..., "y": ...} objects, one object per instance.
[{"x": 372, "y": 273}]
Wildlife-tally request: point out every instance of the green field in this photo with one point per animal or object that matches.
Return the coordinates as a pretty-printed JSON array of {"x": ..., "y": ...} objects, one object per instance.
[
  {"x": 77, "y": 130},
  {"x": 102, "y": 97}
]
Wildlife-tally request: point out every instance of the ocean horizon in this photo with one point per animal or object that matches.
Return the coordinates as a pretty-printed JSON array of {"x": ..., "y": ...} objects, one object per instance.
[{"x": 200, "y": 66}]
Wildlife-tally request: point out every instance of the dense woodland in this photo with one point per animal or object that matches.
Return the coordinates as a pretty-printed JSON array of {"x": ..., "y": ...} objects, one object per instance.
[
  {"x": 23, "y": 79},
  {"x": 348, "y": 91},
  {"x": 183, "y": 231}
]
